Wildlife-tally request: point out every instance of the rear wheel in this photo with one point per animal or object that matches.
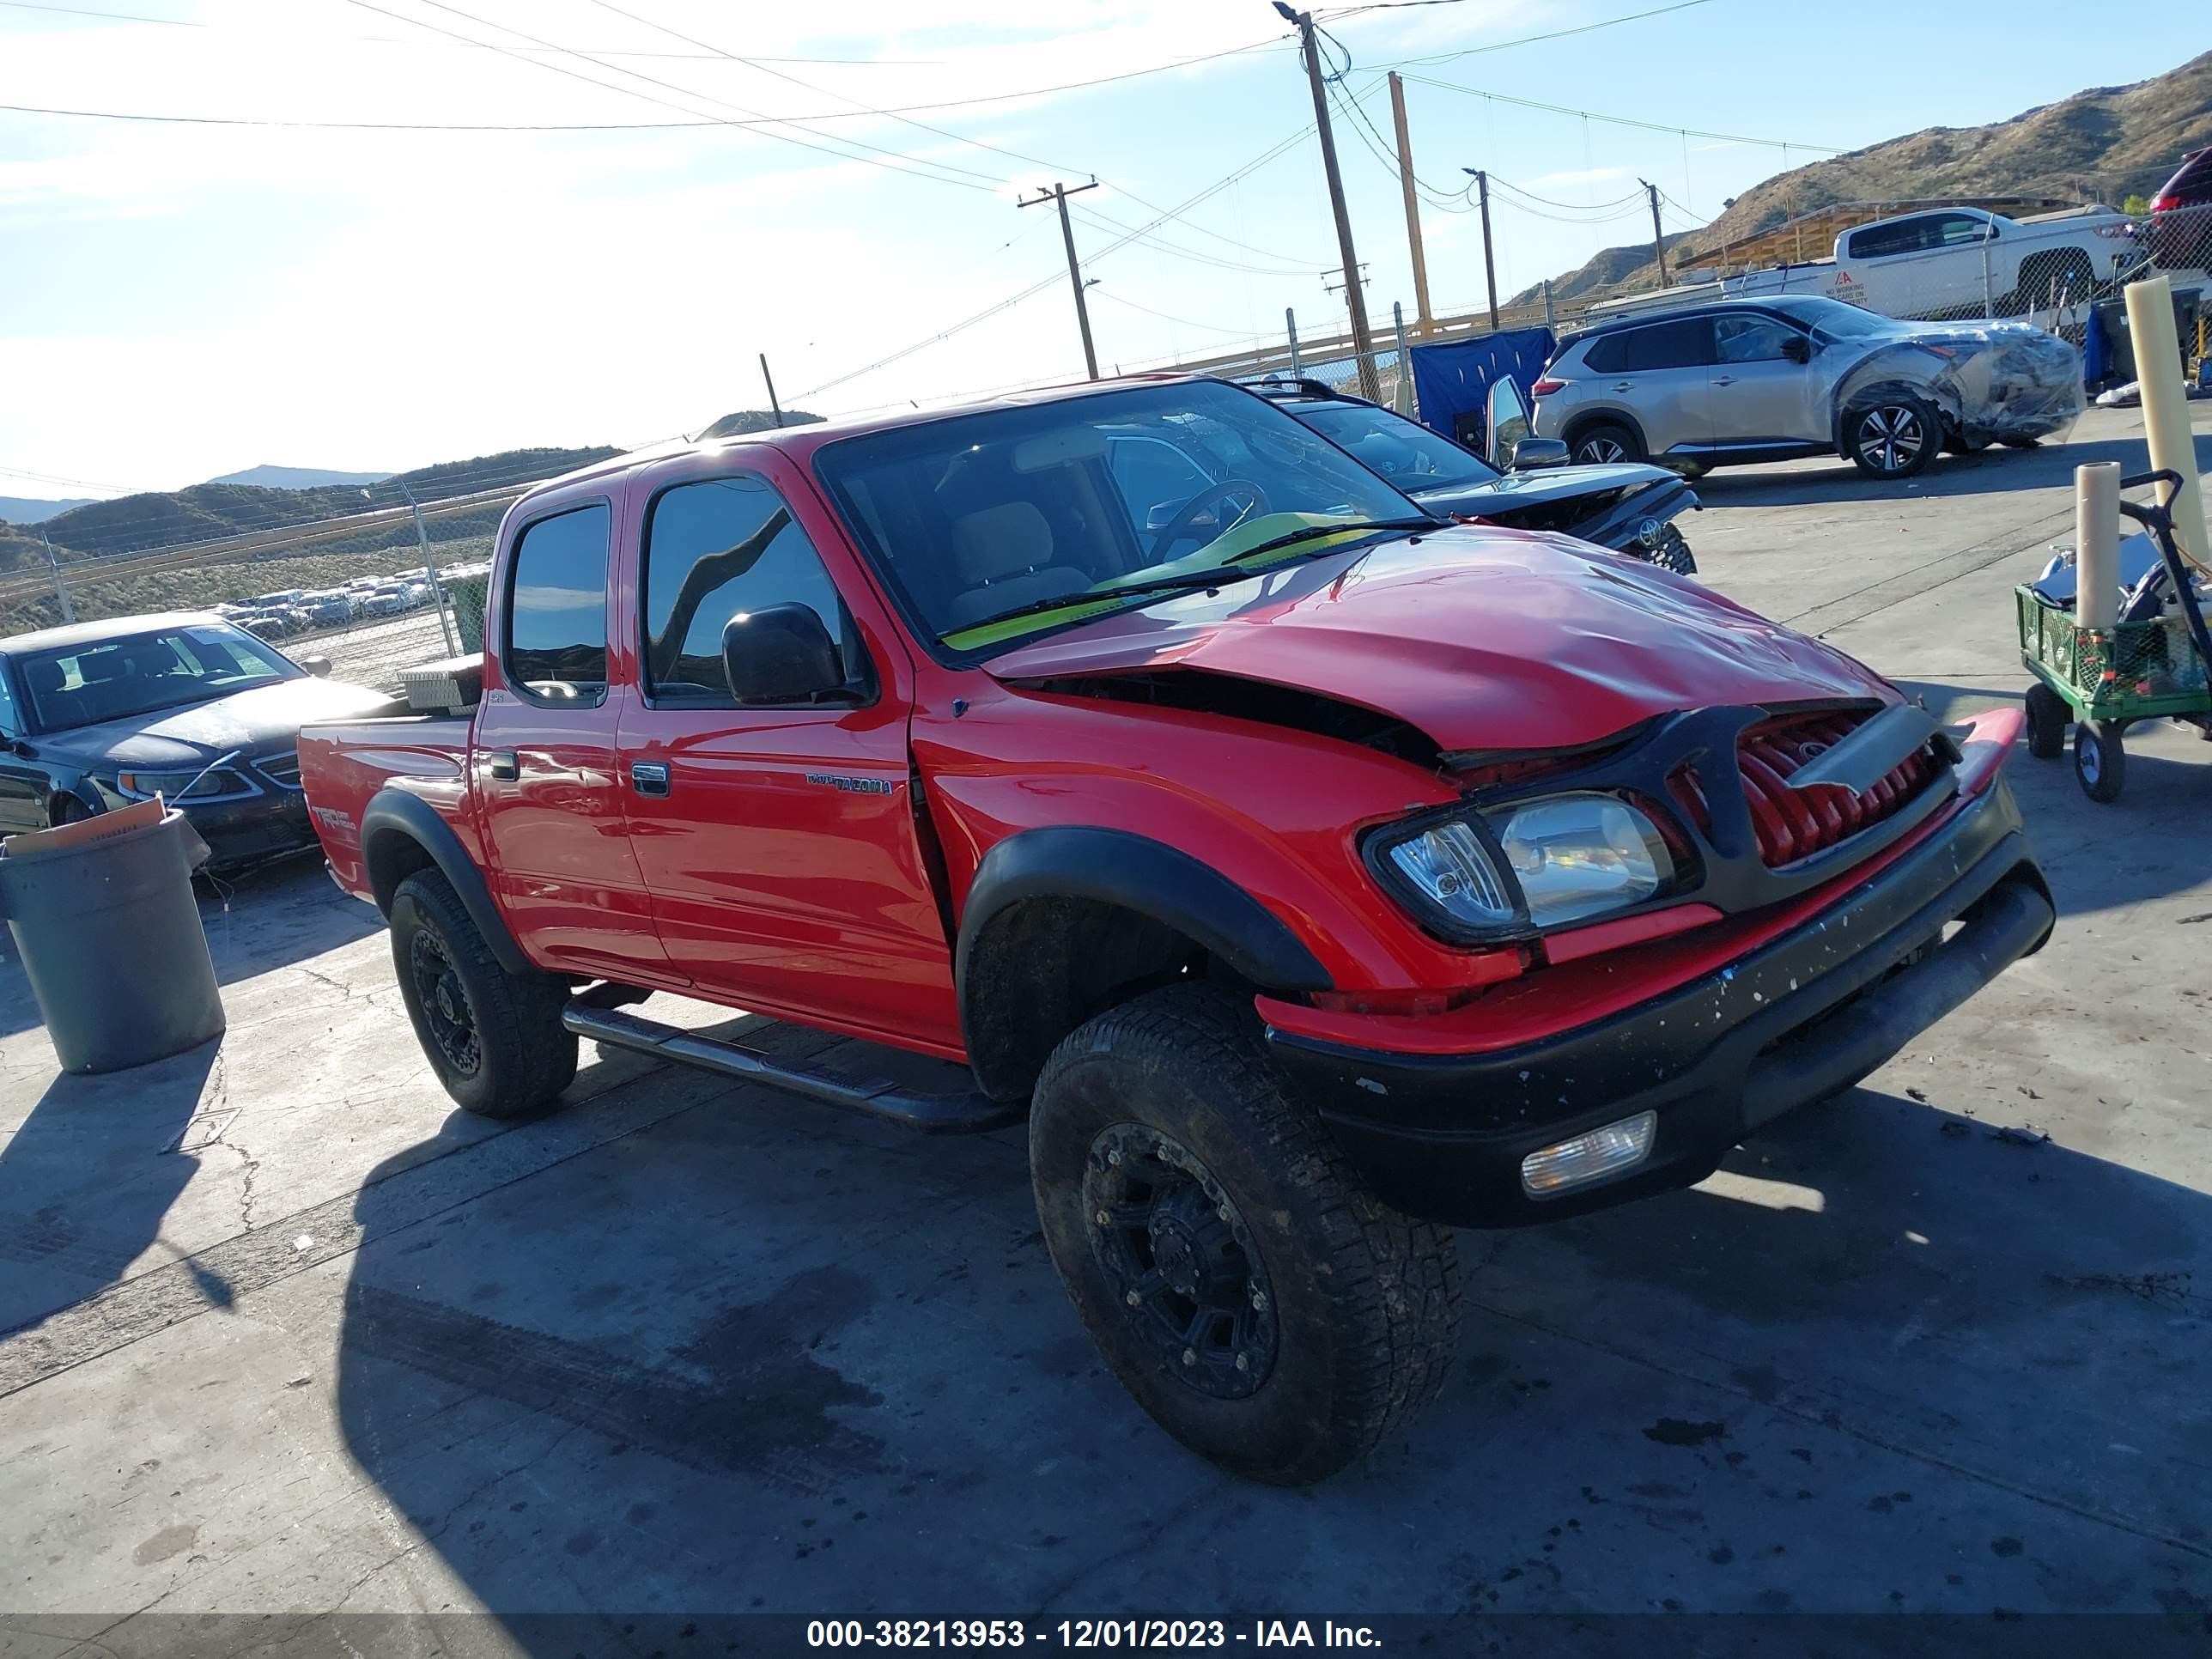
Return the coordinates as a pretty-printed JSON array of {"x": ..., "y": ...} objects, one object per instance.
[
  {"x": 2100, "y": 764},
  {"x": 1265, "y": 1307},
  {"x": 2047, "y": 715},
  {"x": 494, "y": 1038},
  {"x": 1892, "y": 435},
  {"x": 1604, "y": 441}
]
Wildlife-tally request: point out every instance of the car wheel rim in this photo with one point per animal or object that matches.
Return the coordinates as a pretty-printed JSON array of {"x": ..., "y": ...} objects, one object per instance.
[
  {"x": 1179, "y": 1261},
  {"x": 1890, "y": 437},
  {"x": 445, "y": 1004},
  {"x": 1597, "y": 452}
]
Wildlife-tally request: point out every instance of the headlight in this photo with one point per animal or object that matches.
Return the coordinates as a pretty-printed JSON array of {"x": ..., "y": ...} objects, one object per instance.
[
  {"x": 178, "y": 786},
  {"x": 1576, "y": 856},
  {"x": 1523, "y": 868}
]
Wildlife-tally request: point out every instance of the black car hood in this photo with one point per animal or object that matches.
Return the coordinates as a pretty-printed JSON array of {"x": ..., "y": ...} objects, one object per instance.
[
  {"x": 1542, "y": 487},
  {"x": 264, "y": 720}
]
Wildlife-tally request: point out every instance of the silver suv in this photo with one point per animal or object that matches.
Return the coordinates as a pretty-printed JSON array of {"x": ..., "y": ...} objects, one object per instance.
[{"x": 1751, "y": 381}]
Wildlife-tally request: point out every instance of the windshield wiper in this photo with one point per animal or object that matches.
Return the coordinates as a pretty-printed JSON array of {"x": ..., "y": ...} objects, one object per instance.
[
  {"x": 1313, "y": 532},
  {"x": 1210, "y": 577}
]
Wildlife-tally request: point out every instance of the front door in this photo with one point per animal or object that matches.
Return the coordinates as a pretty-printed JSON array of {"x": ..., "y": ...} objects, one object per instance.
[
  {"x": 1658, "y": 373},
  {"x": 778, "y": 844},
  {"x": 1761, "y": 394},
  {"x": 546, "y": 771}
]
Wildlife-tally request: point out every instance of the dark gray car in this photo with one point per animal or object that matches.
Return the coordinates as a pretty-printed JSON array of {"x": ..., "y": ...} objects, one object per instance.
[{"x": 184, "y": 706}]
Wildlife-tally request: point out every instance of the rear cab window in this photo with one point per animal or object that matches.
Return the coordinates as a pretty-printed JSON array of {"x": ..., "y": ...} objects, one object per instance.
[{"x": 555, "y": 648}]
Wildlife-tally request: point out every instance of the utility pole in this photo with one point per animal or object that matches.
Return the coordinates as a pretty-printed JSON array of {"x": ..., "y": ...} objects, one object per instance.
[
  {"x": 774, "y": 408},
  {"x": 1059, "y": 193},
  {"x": 1658, "y": 236},
  {"x": 1489, "y": 261},
  {"x": 61, "y": 588},
  {"x": 1363, "y": 342},
  {"x": 1291, "y": 326},
  {"x": 430, "y": 566},
  {"x": 1423, "y": 321}
]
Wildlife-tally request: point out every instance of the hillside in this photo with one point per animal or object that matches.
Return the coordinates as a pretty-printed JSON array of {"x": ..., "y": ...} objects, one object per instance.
[
  {"x": 739, "y": 421},
  {"x": 2100, "y": 145},
  {"x": 297, "y": 477}
]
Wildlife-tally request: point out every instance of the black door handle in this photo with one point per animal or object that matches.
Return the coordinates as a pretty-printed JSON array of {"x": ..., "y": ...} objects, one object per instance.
[
  {"x": 648, "y": 777},
  {"x": 504, "y": 767}
]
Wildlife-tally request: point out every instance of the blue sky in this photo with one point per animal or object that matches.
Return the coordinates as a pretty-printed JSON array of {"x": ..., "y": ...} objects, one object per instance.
[{"x": 178, "y": 302}]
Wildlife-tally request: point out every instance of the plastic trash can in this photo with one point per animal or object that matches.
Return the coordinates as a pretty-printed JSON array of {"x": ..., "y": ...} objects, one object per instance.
[{"x": 110, "y": 935}]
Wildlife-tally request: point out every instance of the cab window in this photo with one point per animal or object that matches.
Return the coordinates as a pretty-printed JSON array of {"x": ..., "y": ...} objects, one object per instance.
[
  {"x": 1751, "y": 339},
  {"x": 556, "y": 648},
  {"x": 716, "y": 549}
]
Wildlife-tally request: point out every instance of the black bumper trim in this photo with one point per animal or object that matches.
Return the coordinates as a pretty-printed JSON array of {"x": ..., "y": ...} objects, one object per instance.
[{"x": 1805, "y": 1016}]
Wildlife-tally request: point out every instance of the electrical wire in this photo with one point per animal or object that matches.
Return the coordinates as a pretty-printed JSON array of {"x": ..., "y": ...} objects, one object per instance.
[
  {"x": 1619, "y": 120},
  {"x": 1100, "y": 221},
  {"x": 1185, "y": 322},
  {"x": 389, "y": 40},
  {"x": 1526, "y": 39}
]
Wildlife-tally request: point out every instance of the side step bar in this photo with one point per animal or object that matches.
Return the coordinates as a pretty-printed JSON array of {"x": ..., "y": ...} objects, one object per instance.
[{"x": 965, "y": 1113}]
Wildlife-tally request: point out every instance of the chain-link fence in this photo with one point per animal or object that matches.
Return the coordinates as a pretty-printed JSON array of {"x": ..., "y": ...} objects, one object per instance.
[{"x": 373, "y": 577}]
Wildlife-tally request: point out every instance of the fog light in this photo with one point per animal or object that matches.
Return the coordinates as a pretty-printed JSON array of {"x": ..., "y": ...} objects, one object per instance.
[{"x": 1603, "y": 1151}]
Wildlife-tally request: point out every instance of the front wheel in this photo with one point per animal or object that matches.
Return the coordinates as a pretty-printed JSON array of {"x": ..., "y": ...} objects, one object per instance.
[
  {"x": 2100, "y": 764},
  {"x": 494, "y": 1038},
  {"x": 1238, "y": 1277},
  {"x": 1894, "y": 435},
  {"x": 2047, "y": 714}
]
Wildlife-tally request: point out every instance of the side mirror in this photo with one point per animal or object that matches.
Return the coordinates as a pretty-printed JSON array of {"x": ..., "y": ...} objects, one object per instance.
[
  {"x": 319, "y": 667},
  {"x": 780, "y": 655},
  {"x": 1533, "y": 452},
  {"x": 1798, "y": 348}
]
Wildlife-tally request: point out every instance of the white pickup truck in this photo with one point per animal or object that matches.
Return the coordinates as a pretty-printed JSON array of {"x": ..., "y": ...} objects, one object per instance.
[{"x": 1960, "y": 262}]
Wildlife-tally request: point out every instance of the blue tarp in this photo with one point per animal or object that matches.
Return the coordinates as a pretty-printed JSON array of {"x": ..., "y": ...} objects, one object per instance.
[{"x": 1452, "y": 381}]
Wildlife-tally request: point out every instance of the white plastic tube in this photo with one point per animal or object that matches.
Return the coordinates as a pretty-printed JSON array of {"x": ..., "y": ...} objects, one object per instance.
[
  {"x": 2165, "y": 409},
  {"x": 2097, "y": 546}
]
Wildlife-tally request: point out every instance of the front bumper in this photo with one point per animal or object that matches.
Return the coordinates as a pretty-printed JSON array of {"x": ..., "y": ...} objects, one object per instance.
[
  {"x": 1804, "y": 1016},
  {"x": 242, "y": 832}
]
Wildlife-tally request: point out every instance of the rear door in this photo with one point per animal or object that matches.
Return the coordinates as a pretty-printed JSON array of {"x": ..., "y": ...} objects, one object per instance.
[
  {"x": 546, "y": 777},
  {"x": 1759, "y": 394},
  {"x": 778, "y": 844},
  {"x": 1660, "y": 373},
  {"x": 23, "y": 783}
]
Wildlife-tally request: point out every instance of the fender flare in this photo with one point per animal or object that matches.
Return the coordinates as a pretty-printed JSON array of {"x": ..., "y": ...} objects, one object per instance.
[
  {"x": 392, "y": 816},
  {"x": 1119, "y": 868}
]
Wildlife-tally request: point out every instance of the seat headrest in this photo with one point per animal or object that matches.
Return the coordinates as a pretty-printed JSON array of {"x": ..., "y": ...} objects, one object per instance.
[{"x": 1000, "y": 541}]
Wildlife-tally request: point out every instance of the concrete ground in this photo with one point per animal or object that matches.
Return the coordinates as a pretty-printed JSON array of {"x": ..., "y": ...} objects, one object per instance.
[{"x": 290, "y": 1339}]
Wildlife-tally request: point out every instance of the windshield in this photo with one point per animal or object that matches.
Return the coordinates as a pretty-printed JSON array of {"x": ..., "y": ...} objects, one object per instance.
[
  {"x": 976, "y": 516},
  {"x": 113, "y": 678},
  {"x": 1831, "y": 319},
  {"x": 1410, "y": 456}
]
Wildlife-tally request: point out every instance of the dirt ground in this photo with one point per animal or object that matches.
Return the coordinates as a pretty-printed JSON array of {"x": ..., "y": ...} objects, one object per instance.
[{"x": 299, "y": 1360}]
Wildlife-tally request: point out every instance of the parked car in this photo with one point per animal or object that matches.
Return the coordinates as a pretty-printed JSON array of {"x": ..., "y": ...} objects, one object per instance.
[
  {"x": 327, "y": 610},
  {"x": 1740, "y": 381},
  {"x": 184, "y": 706},
  {"x": 265, "y": 624},
  {"x": 1960, "y": 262},
  {"x": 1627, "y": 506},
  {"x": 1311, "y": 876},
  {"x": 2179, "y": 229}
]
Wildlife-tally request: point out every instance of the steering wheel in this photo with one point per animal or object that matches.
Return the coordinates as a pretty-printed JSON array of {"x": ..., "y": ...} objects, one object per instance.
[{"x": 1185, "y": 521}]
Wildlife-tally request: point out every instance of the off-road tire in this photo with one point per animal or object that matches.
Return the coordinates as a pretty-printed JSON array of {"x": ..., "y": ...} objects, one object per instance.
[
  {"x": 1670, "y": 550},
  {"x": 1366, "y": 1301},
  {"x": 2100, "y": 763},
  {"x": 521, "y": 1056},
  {"x": 1912, "y": 432},
  {"x": 1599, "y": 443},
  {"x": 2047, "y": 715}
]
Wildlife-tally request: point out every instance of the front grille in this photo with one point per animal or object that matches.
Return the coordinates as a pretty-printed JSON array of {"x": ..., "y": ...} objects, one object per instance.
[
  {"x": 1791, "y": 823},
  {"x": 283, "y": 768}
]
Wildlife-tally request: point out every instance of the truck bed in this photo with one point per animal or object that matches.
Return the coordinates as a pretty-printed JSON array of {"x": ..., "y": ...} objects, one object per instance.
[{"x": 343, "y": 763}]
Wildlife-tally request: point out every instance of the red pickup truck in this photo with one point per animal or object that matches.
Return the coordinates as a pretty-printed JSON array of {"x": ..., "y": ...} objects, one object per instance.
[{"x": 1313, "y": 876}]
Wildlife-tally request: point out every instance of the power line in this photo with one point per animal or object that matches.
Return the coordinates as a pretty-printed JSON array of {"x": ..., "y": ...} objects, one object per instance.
[
  {"x": 1211, "y": 328},
  {"x": 390, "y": 40},
  {"x": 1620, "y": 121},
  {"x": 944, "y": 168},
  {"x": 1526, "y": 39}
]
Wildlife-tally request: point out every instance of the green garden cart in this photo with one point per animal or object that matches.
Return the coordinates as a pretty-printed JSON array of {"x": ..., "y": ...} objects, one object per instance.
[{"x": 2149, "y": 666}]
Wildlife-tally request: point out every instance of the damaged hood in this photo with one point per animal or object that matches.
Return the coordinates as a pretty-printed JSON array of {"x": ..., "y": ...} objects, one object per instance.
[
  {"x": 1541, "y": 487},
  {"x": 1484, "y": 639}
]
